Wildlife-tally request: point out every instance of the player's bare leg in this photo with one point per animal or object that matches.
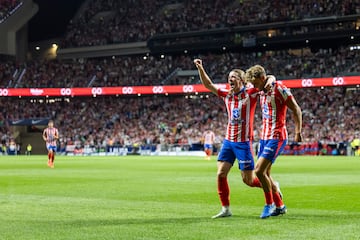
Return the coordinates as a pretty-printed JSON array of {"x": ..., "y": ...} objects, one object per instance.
[
  {"x": 277, "y": 196},
  {"x": 262, "y": 171},
  {"x": 52, "y": 155},
  {"x": 208, "y": 153},
  {"x": 249, "y": 178},
  {"x": 49, "y": 158}
]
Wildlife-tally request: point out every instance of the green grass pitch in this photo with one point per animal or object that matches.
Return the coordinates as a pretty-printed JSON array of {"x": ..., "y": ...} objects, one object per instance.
[{"x": 143, "y": 197}]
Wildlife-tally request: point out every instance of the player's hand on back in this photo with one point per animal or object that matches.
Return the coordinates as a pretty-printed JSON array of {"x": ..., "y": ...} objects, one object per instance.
[{"x": 270, "y": 82}]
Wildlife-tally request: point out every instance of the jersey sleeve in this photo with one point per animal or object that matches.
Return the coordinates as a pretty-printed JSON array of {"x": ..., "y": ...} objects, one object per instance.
[
  {"x": 284, "y": 91},
  {"x": 222, "y": 92},
  {"x": 253, "y": 92}
]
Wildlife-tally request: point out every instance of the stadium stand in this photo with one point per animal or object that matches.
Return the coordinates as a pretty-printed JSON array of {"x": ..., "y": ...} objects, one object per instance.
[
  {"x": 138, "y": 20},
  {"x": 137, "y": 71}
]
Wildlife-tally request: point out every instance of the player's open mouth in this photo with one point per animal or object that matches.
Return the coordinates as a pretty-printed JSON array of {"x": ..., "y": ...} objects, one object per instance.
[{"x": 232, "y": 85}]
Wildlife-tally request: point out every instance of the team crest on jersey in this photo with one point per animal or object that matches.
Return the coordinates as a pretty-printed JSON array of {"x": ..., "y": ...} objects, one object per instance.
[
  {"x": 265, "y": 111},
  {"x": 236, "y": 113},
  {"x": 236, "y": 119}
]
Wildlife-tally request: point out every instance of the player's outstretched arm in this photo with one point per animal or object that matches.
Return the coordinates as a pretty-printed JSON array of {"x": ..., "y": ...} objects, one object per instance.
[
  {"x": 204, "y": 77},
  {"x": 297, "y": 114}
]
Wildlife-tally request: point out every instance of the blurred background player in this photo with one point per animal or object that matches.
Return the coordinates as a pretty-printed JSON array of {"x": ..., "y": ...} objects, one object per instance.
[
  {"x": 28, "y": 149},
  {"x": 208, "y": 139},
  {"x": 50, "y": 136},
  {"x": 273, "y": 139},
  {"x": 355, "y": 146},
  {"x": 240, "y": 103}
]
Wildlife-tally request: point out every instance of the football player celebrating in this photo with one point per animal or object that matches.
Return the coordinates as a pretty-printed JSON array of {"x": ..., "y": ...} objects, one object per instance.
[
  {"x": 240, "y": 102},
  {"x": 273, "y": 139}
]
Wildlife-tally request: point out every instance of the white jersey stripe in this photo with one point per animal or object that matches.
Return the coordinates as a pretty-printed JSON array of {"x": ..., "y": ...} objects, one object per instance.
[
  {"x": 273, "y": 105},
  {"x": 240, "y": 108}
]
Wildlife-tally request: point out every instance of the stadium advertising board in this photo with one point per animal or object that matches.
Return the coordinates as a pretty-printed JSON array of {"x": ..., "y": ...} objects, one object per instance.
[{"x": 167, "y": 89}]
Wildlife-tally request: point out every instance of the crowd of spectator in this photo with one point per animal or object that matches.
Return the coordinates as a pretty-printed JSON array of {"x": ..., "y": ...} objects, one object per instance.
[
  {"x": 330, "y": 121},
  {"x": 8, "y": 72},
  {"x": 124, "y": 121},
  {"x": 7, "y": 7},
  {"x": 113, "y": 21},
  {"x": 330, "y": 116},
  {"x": 151, "y": 70}
]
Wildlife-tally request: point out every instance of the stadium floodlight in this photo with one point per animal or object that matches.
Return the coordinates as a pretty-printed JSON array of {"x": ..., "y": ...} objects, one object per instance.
[{"x": 356, "y": 47}]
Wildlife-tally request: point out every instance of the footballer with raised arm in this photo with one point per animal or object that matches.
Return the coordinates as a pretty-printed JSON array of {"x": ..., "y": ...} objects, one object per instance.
[{"x": 240, "y": 102}]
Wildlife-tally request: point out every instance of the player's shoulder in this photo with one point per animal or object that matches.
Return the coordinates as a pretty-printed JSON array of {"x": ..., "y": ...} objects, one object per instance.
[
  {"x": 279, "y": 85},
  {"x": 223, "y": 92},
  {"x": 282, "y": 88},
  {"x": 252, "y": 90}
]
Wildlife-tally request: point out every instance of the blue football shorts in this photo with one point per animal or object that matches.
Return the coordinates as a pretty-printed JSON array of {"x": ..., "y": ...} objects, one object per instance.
[
  {"x": 51, "y": 147},
  {"x": 242, "y": 151},
  {"x": 208, "y": 146},
  {"x": 270, "y": 149}
]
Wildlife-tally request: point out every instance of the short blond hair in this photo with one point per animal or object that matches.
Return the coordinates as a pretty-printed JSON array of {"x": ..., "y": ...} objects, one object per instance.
[
  {"x": 240, "y": 73},
  {"x": 254, "y": 72}
]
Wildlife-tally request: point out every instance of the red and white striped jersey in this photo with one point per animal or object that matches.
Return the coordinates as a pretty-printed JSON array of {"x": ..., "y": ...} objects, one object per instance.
[
  {"x": 273, "y": 106},
  {"x": 241, "y": 109},
  {"x": 50, "y": 134},
  {"x": 209, "y": 137}
]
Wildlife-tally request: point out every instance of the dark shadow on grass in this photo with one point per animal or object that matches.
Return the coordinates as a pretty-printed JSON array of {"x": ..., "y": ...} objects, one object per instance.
[
  {"x": 182, "y": 221},
  {"x": 123, "y": 221},
  {"x": 147, "y": 221},
  {"x": 135, "y": 221}
]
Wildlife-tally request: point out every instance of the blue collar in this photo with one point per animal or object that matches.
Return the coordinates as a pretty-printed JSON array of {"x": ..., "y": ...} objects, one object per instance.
[{"x": 241, "y": 90}]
